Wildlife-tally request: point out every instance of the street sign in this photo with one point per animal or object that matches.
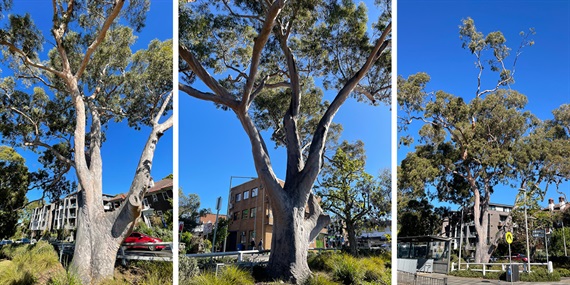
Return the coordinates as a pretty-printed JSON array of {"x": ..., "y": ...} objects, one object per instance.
[
  {"x": 538, "y": 233},
  {"x": 509, "y": 237}
]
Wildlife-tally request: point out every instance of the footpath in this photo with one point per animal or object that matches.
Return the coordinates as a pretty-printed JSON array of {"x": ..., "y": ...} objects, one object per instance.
[{"x": 453, "y": 280}]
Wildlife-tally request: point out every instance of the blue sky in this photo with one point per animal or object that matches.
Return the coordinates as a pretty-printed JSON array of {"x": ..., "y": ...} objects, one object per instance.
[
  {"x": 428, "y": 40},
  {"x": 213, "y": 146},
  {"x": 123, "y": 146}
]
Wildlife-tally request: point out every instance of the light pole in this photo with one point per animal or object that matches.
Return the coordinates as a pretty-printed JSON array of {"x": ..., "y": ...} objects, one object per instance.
[
  {"x": 229, "y": 199},
  {"x": 526, "y": 227}
]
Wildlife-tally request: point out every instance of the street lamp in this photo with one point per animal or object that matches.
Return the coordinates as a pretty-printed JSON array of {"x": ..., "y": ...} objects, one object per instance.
[
  {"x": 229, "y": 199},
  {"x": 526, "y": 227}
]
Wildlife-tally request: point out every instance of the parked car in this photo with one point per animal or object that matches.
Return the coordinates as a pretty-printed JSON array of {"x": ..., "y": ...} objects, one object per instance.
[
  {"x": 519, "y": 257},
  {"x": 142, "y": 238}
]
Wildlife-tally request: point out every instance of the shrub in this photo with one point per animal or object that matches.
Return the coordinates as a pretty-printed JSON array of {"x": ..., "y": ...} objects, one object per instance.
[
  {"x": 187, "y": 268},
  {"x": 540, "y": 274},
  {"x": 563, "y": 272},
  {"x": 229, "y": 275},
  {"x": 467, "y": 273},
  {"x": 320, "y": 279},
  {"x": 374, "y": 269},
  {"x": 64, "y": 278},
  {"x": 29, "y": 263},
  {"x": 318, "y": 261},
  {"x": 494, "y": 275},
  {"x": 347, "y": 269}
]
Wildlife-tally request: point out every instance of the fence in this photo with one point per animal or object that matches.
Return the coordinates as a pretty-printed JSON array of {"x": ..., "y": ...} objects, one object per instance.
[
  {"x": 487, "y": 267},
  {"x": 238, "y": 254},
  {"x": 65, "y": 249},
  {"x": 406, "y": 278}
]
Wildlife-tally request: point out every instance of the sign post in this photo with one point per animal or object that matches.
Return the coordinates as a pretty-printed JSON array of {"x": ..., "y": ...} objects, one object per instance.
[
  {"x": 509, "y": 238},
  {"x": 218, "y": 207}
]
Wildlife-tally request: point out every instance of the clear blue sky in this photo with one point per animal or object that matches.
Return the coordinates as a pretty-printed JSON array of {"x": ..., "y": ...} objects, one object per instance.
[
  {"x": 213, "y": 146},
  {"x": 428, "y": 41},
  {"x": 123, "y": 146}
]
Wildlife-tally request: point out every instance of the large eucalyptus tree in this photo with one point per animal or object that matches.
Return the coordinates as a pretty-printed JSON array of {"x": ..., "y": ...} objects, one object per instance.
[
  {"x": 469, "y": 145},
  {"x": 88, "y": 79},
  {"x": 271, "y": 61}
]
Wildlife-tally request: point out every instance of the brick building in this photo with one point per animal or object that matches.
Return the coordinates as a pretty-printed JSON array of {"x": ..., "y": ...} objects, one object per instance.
[{"x": 251, "y": 217}]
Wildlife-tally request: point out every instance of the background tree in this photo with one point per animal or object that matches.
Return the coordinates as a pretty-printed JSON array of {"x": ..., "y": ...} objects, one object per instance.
[
  {"x": 189, "y": 210},
  {"x": 347, "y": 190},
  {"x": 89, "y": 79},
  {"x": 13, "y": 189},
  {"x": 467, "y": 148},
  {"x": 420, "y": 218},
  {"x": 267, "y": 54}
]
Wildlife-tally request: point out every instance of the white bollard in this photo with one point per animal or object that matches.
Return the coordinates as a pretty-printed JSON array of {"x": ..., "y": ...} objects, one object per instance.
[{"x": 550, "y": 267}]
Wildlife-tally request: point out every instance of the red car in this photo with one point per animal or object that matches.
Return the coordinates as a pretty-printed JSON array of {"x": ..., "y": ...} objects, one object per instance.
[
  {"x": 519, "y": 257},
  {"x": 142, "y": 238}
]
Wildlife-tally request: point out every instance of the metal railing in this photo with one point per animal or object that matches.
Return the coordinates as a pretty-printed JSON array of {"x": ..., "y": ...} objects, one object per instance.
[
  {"x": 239, "y": 254},
  {"x": 486, "y": 267},
  {"x": 406, "y": 278},
  {"x": 67, "y": 249}
]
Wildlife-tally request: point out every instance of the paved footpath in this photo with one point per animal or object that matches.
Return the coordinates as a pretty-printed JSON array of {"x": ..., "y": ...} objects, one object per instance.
[{"x": 452, "y": 280}]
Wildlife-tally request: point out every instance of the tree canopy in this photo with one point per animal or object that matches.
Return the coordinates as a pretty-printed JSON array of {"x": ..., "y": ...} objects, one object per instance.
[
  {"x": 472, "y": 144},
  {"x": 13, "y": 188}
]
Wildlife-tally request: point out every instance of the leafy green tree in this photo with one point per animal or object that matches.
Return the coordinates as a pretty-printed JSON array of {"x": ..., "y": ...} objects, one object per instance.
[
  {"x": 347, "y": 190},
  {"x": 267, "y": 55},
  {"x": 189, "y": 210},
  {"x": 468, "y": 147},
  {"x": 89, "y": 79},
  {"x": 420, "y": 218},
  {"x": 14, "y": 181}
]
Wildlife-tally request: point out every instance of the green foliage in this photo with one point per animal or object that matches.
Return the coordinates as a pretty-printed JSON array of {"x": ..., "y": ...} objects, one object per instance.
[
  {"x": 228, "y": 275},
  {"x": 320, "y": 279},
  {"x": 347, "y": 270},
  {"x": 494, "y": 275},
  {"x": 187, "y": 269},
  {"x": 467, "y": 273},
  {"x": 353, "y": 195},
  {"x": 14, "y": 181},
  {"x": 417, "y": 218},
  {"x": 28, "y": 262},
  {"x": 563, "y": 272},
  {"x": 164, "y": 234},
  {"x": 540, "y": 274},
  {"x": 64, "y": 278}
]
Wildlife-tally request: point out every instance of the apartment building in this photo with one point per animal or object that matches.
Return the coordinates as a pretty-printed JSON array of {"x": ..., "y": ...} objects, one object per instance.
[
  {"x": 251, "y": 217},
  {"x": 497, "y": 217},
  {"x": 62, "y": 214}
]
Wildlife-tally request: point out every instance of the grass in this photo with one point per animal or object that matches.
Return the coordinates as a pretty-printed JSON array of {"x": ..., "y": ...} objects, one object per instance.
[{"x": 29, "y": 264}]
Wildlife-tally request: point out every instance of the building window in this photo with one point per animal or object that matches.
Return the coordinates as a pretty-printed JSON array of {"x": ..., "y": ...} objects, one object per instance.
[
  {"x": 238, "y": 197},
  {"x": 246, "y": 195},
  {"x": 254, "y": 192},
  {"x": 165, "y": 196},
  {"x": 252, "y": 213},
  {"x": 145, "y": 202},
  {"x": 236, "y": 216},
  {"x": 154, "y": 198},
  {"x": 159, "y": 213},
  {"x": 244, "y": 214}
]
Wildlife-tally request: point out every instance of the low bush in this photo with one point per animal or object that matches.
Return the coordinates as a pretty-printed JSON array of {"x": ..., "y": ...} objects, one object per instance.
[
  {"x": 347, "y": 270},
  {"x": 467, "y": 273},
  {"x": 320, "y": 279},
  {"x": 187, "y": 268},
  {"x": 318, "y": 262},
  {"x": 29, "y": 263},
  {"x": 497, "y": 275},
  {"x": 563, "y": 272},
  {"x": 229, "y": 275},
  {"x": 540, "y": 274}
]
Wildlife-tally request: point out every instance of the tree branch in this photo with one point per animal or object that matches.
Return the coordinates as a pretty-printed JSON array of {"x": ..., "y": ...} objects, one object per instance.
[{"x": 118, "y": 5}]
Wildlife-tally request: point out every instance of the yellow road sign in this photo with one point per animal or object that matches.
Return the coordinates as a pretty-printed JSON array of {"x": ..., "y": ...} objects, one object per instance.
[{"x": 509, "y": 237}]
